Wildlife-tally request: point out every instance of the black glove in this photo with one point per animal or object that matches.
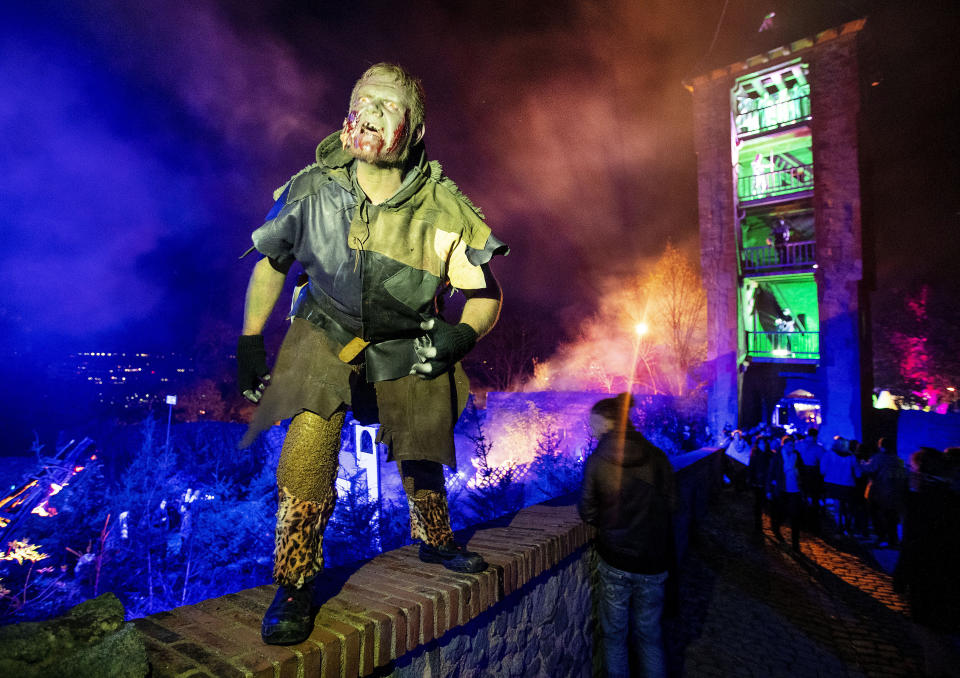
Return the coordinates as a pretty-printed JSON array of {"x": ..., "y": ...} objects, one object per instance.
[
  {"x": 442, "y": 347},
  {"x": 252, "y": 373}
]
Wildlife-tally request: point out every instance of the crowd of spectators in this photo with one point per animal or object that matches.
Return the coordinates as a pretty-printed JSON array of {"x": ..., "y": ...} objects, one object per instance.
[{"x": 868, "y": 493}]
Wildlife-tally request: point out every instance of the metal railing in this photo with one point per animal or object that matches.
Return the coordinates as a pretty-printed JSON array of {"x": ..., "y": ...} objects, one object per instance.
[
  {"x": 789, "y": 255},
  {"x": 794, "y": 179},
  {"x": 784, "y": 344},
  {"x": 776, "y": 115}
]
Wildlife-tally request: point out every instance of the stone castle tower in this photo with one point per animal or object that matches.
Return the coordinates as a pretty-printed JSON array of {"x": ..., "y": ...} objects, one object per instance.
[{"x": 780, "y": 235}]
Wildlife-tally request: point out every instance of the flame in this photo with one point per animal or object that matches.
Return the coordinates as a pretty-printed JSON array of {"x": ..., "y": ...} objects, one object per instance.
[
  {"x": 13, "y": 496},
  {"x": 43, "y": 510},
  {"x": 23, "y": 550},
  {"x": 77, "y": 469},
  {"x": 54, "y": 488}
]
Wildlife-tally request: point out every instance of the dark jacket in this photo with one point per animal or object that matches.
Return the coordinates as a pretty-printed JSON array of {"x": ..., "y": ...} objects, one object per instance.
[
  {"x": 759, "y": 467},
  {"x": 629, "y": 495},
  {"x": 888, "y": 480}
]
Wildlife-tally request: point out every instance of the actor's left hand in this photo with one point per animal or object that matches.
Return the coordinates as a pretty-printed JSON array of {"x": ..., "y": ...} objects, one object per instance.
[{"x": 442, "y": 347}]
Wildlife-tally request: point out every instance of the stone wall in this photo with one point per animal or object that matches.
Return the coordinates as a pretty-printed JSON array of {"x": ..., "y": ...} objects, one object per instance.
[
  {"x": 530, "y": 615},
  {"x": 835, "y": 99},
  {"x": 391, "y": 606},
  {"x": 835, "y": 109},
  {"x": 718, "y": 244},
  {"x": 544, "y": 630}
]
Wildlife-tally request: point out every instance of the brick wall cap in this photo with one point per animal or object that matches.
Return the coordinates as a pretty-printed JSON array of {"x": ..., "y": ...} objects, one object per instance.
[{"x": 849, "y": 28}]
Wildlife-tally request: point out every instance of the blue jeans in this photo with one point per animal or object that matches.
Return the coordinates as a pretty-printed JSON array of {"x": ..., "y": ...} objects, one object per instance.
[{"x": 631, "y": 602}]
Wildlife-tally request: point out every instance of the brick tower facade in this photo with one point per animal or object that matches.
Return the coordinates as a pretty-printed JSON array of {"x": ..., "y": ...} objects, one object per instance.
[{"x": 780, "y": 234}]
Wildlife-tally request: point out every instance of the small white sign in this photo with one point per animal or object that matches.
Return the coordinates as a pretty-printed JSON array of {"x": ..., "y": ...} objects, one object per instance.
[{"x": 171, "y": 400}]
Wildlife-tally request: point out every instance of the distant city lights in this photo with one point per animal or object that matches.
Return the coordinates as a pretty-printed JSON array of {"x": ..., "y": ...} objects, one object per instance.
[{"x": 128, "y": 381}]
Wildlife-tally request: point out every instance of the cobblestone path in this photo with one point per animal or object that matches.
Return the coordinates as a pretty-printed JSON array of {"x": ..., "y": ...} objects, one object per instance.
[{"x": 749, "y": 606}]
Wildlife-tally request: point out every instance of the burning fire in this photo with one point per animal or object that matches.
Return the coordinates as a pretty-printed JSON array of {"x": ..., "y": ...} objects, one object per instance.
[
  {"x": 43, "y": 510},
  {"x": 15, "y": 497},
  {"x": 23, "y": 550}
]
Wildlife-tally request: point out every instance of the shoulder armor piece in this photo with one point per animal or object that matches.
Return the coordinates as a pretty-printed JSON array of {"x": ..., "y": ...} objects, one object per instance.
[
  {"x": 437, "y": 175},
  {"x": 277, "y": 193}
]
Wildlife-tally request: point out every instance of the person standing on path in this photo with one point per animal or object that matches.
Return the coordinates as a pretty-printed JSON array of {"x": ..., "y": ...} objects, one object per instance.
[
  {"x": 840, "y": 472},
  {"x": 811, "y": 480},
  {"x": 783, "y": 487},
  {"x": 629, "y": 495},
  {"x": 760, "y": 455}
]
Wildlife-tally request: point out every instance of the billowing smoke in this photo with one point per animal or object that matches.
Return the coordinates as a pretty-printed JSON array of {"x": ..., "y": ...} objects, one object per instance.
[
  {"x": 647, "y": 335},
  {"x": 143, "y": 141}
]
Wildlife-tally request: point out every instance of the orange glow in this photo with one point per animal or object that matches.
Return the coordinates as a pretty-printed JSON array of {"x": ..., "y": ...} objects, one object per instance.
[
  {"x": 516, "y": 443},
  {"x": 647, "y": 334},
  {"x": 496, "y": 475},
  {"x": 44, "y": 510},
  {"x": 54, "y": 488},
  {"x": 13, "y": 496},
  {"x": 23, "y": 550},
  {"x": 77, "y": 469}
]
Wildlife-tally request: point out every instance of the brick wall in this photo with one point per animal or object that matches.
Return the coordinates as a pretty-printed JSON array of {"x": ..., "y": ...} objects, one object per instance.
[
  {"x": 835, "y": 108},
  {"x": 389, "y": 607},
  {"x": 718, "y": 245},
  {"x": 529, "y": 614},
  {"x": 546, "y": 629},
  {"x": 835, "y": 102}
]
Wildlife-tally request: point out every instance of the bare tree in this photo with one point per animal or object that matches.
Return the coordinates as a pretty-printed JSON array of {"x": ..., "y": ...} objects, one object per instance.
[
  {"x": 649, "y": 331},
  {"x": 509, "y": 354},
  {"x": 679, "y": 306}
]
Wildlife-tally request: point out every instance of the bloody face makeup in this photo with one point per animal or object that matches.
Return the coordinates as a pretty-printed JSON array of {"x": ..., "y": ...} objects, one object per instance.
[{"x": 376, "y": 130}]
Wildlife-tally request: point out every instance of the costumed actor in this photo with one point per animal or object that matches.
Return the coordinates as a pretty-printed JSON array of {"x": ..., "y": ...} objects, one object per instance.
[{"x": 379, "y": 232}]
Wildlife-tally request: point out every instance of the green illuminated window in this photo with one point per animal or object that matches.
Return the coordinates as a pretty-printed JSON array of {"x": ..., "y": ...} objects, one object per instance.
[
  {"x": 766, "y": 101},
  {"x": 778, "y": 238},
  {"x": 780, "y": 318},
  {"x": 774, "y": 166}
]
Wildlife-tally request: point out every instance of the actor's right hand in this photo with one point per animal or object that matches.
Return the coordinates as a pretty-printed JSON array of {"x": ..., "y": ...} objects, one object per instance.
[{"x": 252, "y": 373}]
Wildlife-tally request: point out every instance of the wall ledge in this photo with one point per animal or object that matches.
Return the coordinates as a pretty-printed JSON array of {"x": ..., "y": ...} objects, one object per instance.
[{"x": 389, "y": 606}]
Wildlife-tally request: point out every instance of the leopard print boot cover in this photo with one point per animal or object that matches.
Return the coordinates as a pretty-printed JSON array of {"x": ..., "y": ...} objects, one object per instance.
[
  {"x": 305, "y": 481},
  {"x": 429, "y": 517},
  {"x": 298, "y": 546}
]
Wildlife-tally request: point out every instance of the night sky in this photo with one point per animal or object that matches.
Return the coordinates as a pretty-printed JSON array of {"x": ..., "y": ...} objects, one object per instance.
[{"x": 141, "y": 142}]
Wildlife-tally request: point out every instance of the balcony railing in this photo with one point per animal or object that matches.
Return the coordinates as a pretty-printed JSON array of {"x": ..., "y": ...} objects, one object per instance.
[
  {"x": 784, "y": 345},
  {"x": 789, "y": 255},
  {"x": 773, "y": 116},
  {"x": 785, "y": 181}
]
